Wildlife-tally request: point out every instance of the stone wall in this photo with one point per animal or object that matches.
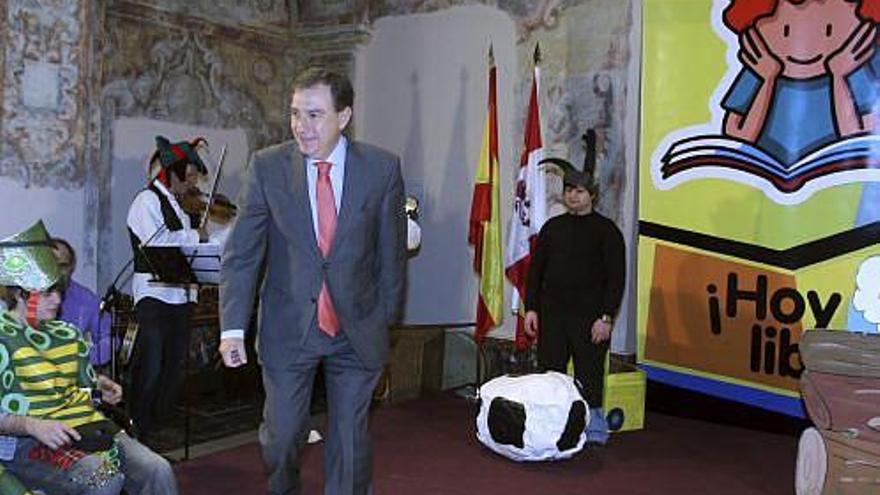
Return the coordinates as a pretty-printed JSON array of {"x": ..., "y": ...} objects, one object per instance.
[
  {"x": 4, "y": 33},
  {"x": 47, "y": 122},
  {"x": 45, "y": 117},
  {"x": 256, "y": 13}
]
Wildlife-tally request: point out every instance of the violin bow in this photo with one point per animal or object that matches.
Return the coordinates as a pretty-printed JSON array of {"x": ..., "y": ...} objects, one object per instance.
[{"x": 214, "y": 183}]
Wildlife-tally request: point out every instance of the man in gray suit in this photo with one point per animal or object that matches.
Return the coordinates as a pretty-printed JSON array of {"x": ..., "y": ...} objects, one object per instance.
[{"x": 332, "y": 284}]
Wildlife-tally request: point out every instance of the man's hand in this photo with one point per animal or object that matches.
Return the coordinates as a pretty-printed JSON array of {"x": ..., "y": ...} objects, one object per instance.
[
  {"x": 51, "y": 433},
  {"x": 531, "y": 324},
  {"x": 111, "y": 392},
  {"x": 601, "y": 331},
  {"x": 232, "y": 350}
]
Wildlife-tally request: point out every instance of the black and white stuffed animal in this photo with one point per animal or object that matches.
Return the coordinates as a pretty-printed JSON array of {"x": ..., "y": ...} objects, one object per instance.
[{"x": 536, "y": 417}]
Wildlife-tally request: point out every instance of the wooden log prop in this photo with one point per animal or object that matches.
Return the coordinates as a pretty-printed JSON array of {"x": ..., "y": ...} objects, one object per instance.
[
  {"x": 845, "y": 404},
  {"x": 829, "y": 463},
  {"x": 812, "y": 464},
  {"x": 841, "y": 352}
]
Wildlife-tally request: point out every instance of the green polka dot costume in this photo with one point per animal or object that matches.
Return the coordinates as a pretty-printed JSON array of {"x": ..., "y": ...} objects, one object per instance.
[{"x": 44, "y": 372}]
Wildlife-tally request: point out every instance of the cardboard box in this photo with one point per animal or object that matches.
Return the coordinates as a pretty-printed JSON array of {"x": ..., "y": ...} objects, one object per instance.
[{"x": 624, "y": 401}]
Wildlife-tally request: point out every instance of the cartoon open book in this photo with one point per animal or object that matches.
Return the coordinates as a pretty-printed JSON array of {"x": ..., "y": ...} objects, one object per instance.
[{"x": 861, "y": 152}]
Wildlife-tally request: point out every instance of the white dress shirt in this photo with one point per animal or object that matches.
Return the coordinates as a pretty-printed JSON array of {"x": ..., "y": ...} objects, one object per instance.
[{"x": 337, "y": 175}]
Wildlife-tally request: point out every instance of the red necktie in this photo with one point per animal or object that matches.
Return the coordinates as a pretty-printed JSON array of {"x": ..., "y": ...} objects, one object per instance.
[{"x": 328, "y": 321}]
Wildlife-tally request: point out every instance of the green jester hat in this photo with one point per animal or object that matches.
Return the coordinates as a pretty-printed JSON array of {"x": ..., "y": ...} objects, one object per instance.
[{"x": 27, "y": 259}]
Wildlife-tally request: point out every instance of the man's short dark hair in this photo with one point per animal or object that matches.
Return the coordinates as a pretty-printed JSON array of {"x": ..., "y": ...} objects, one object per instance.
[{"x": 340, "y": 86}]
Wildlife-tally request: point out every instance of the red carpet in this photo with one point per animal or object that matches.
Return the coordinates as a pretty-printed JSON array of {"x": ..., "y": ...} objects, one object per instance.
[{"x": 428, "y": 447}]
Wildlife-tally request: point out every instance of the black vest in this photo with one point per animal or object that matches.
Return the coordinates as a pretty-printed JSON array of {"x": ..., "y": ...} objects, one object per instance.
[{"x": 172, "y": 223}]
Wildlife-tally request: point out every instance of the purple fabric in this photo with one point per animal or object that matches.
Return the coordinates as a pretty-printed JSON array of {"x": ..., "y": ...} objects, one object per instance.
[{"x": 80, "y": 308}]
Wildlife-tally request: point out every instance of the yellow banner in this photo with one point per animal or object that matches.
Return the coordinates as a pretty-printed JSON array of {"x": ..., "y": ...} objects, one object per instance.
[{"x": 759, "y": 185}]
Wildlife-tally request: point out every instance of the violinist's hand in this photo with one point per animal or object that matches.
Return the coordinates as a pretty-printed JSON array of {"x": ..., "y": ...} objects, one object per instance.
[{"x": 232, "y": 351}]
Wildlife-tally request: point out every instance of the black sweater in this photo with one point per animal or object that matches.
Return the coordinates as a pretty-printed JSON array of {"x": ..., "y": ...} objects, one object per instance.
[{"x": 578, "y": 267}]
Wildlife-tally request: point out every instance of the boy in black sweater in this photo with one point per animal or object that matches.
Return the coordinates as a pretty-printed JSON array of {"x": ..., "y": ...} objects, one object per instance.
[{"x": 574, "y": 288}]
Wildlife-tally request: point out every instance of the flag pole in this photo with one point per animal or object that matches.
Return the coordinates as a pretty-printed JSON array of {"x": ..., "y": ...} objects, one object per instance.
[
  {"x": 530, "y": 210},
  {"x": 515, "y": 299},
  {"x": 484, "y": 230}
]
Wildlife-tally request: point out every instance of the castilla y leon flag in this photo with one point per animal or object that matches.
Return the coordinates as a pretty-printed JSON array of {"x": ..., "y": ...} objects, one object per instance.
[
  {"x": 529, "y": 207},
  {"x": 485, "y": 223}
]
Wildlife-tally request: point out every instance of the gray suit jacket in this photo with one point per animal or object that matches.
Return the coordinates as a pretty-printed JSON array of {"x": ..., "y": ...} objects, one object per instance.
[{"x": 364, "y": 270}]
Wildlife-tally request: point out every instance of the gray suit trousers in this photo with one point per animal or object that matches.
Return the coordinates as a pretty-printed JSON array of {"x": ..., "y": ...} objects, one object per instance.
[{"x": 347, "y": 450}]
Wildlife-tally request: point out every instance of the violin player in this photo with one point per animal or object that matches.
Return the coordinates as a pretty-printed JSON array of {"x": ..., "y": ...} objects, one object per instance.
[{"x": 162, "y": 311}]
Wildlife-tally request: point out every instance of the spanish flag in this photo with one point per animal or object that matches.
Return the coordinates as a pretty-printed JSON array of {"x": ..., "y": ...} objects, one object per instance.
[{"x": 485, "y": 222}]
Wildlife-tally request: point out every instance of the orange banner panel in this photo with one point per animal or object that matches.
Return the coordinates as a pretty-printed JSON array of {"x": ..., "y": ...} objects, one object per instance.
[{"x": 726, "y": 318}]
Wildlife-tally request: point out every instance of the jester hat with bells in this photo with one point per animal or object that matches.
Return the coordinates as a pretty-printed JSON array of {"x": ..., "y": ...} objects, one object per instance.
[{"x": 169, "y": 154}]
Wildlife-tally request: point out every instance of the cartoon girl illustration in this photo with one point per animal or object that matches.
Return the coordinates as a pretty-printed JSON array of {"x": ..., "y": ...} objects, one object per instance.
[{"x": 809, "y": 73}]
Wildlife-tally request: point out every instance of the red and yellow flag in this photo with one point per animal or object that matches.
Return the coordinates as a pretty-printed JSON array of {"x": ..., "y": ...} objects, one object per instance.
[{"x": 485, "y": 222}]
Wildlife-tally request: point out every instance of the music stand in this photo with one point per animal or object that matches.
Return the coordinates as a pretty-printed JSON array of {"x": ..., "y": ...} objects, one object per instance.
[
  {"x": 168, "y": 265},
  {"x": 204, "y": 260}
]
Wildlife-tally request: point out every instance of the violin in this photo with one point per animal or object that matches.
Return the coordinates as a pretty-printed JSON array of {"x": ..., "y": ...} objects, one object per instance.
[
  {"x": 221, "y": 210},
  {"x": 196, "y": 203}
]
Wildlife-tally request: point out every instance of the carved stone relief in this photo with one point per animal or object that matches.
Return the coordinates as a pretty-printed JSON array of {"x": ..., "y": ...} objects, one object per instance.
[
  {"x": 186, "y": 77},
  {"x": 590, "y": 91},
  {"x": 531, "y": 15},
  {"x": 331, "y": 11},
  {"x": 528, "y": 15},
  {"x": 43, "y": 100},
  {"x": 181, "y": 79},
  {"x": 234, "y": 12},
  {"x": 571, "y": 105}
]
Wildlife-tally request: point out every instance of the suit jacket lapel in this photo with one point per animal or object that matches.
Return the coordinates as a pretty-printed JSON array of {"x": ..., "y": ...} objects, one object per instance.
[
  {"x": 353, "y": 191},
  {"x": 299, "y": 190}
]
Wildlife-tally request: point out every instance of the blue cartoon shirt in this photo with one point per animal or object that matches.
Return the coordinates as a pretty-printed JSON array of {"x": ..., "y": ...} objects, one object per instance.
[{"x": 800, "y": 118}]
